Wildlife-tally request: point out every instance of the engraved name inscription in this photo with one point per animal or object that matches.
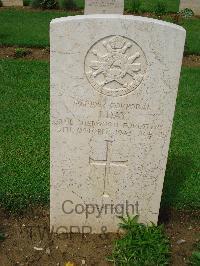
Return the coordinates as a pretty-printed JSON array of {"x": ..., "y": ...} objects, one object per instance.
[{"x": 103, "y": 3}]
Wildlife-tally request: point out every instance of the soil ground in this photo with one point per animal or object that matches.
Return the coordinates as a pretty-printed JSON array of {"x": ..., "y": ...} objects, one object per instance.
[
  {"x": 28, "y": 241},
  {"x": 43, "y": 54}
]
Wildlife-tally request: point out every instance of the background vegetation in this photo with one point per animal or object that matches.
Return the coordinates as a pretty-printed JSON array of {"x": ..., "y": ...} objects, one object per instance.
[{"x": 31, "y": 28}]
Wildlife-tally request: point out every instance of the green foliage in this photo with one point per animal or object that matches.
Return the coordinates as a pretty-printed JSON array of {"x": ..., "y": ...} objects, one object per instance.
[
  {"x": 187, "y": 13},
  {"x": 161, "y": 8},
  {"x": 141, "y": 245},
  {"x": 26, "y": 2},
  {"x": 149, "y": 5},
  {"x": 134, "y": 6},
  {"x": 35, "y": 3},
  {"x": 21, "y": 52},
  {"x": 2, "y": 236},
  {"x": 16, "y": 30},
  {"x": 195, "y": 258},
  {"x": 67, "y": 4},
  {"x": 48, "y": 4},
  {"x": 45, "y": 4},
  {"x": 146, "y": 5}
]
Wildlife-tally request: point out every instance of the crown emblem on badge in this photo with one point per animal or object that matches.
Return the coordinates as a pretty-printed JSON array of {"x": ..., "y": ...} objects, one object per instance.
[{"x": 117, "y": 43}]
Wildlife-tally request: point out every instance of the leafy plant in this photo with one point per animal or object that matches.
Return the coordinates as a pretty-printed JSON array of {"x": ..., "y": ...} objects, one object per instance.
[
  {"x": 21, "y": 52},
  {"x": 187, "y": 13},
  {"x": 161, "y": 8},
  {"x": 48, "y": 4},
  {"x": 195, "y": 258},
  {"x": 2, "y": 236},
  {"x": 35, "y": 3},
  {"x": 141, "y": 245},
  {"x": 67, "y": 4},
  {"x": 134, "y": 6},
  {"x": 26, "y": 2},
  {"x": 45, "y": 4}
]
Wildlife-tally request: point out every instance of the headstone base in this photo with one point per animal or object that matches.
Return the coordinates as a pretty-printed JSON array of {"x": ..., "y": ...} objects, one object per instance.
[{"x": 12, "y": 2}]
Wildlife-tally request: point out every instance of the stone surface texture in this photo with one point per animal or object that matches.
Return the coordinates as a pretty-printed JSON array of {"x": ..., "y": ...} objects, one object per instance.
[
  {"x": 192, "y": 4},
  {"x": 104, "y": 7},
  {"x": 12, "y": 2},
  {"x": 114, "y": 82}
]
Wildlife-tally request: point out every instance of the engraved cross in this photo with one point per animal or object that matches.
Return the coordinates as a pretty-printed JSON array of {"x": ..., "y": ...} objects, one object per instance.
[{"x": 107, "y": 163}]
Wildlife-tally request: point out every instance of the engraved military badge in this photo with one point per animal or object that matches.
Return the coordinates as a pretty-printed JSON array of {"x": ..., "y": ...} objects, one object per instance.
[{"x": 115, "y": 66}]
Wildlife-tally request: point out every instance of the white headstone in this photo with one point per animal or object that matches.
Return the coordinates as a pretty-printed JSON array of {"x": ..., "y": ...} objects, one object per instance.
[
  {"x": 104, "y": 7},
  {"x": 114, "y": 82},
  {"x": 12, "y": 2},
  {"x": 192, "y": 4}
]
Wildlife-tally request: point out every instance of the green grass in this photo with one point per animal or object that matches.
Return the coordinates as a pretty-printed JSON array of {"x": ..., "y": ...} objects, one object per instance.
[
  {"x": 31, "y": 29},
  {"x": 24, "y": 138},
  {"x": 24, "y": 133},
  {"x": 149, "y": 5},
  {"x": 140, "y": 245},
  {"x": 182, "y": 180},
  {"x": 26, "y": 28},
  {"x": 192, "y": 27}
]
